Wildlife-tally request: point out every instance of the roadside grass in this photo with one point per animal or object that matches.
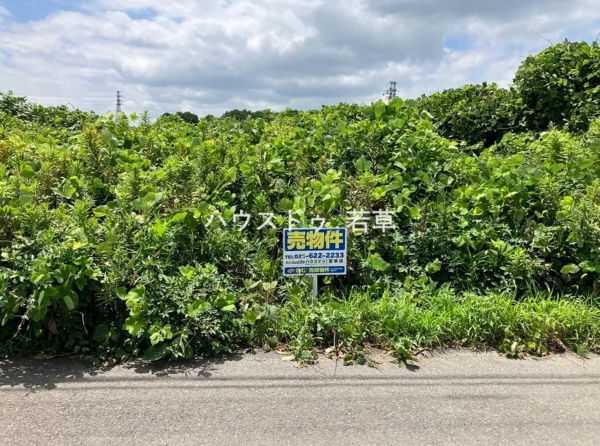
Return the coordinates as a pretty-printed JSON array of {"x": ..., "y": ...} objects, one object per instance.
[{"x": 537, "y": 323}]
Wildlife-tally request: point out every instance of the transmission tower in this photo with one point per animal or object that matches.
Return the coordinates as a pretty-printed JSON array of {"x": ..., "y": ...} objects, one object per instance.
[
  {"x": 119, "y": 101},
  {"x": 392, "y": 92}
]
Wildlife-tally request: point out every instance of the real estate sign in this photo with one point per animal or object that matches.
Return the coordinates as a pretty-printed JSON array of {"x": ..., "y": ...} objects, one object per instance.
[{"x": 315, "y": 252}]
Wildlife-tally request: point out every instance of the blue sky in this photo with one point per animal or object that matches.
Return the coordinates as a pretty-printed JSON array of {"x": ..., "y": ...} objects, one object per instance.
[
  {"x": 209, "y": 56},
  {"x": 27, "y": 10}
]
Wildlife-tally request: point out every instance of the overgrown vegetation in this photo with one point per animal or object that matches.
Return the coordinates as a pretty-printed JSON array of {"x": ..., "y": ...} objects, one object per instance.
[
  {"x": 560, "y": 87},
  {"x": 120, "y": 237}
]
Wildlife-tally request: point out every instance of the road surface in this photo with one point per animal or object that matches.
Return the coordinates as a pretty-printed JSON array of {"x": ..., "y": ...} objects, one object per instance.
[{"x": 450, "y": 398}]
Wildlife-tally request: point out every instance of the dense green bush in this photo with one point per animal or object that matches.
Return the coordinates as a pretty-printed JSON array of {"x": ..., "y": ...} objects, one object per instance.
[
  {"x": 560, "y": 86},
  {"x": 474, "y": 113},
  {"x": 121, "y": 236}
]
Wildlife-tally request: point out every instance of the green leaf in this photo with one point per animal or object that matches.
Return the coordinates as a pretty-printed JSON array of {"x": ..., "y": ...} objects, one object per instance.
[
  {"x": 415, "y": 213},
  {"x": 251, "y": 317},
  {"x": 134, "y": 325},
  {"x": 66, "y": 190},
  {"x": 81, "y": 282},
  {"x": 187, "y": 271},
  {"x": 178, "y": 217},
  {"x": 224, "y": 300},
  {"x": 378, "y": 263},
  {"x": 40, "y": 313},
  {"x": 134, "y": 295},
  {"x": 197, "y": 308},
  {"x": 27, "y": 171},
  {"x": 69, "y": 302},
  {"x": 380, "y": 110},
  {"x": 286, "y": 204},
  {"x": 26, "y": 195},
  {"x": 588, "y": 267},
  {"x": 101, "y": 211},
  {"x": 363, "y": 165},
  {"x": 246, "y": 168},
  {"x": 434, "y": 266},
  {"x": 228, "y": 308},
  {"x": 155, "y": 352},
  {"x": 101, "y": 334},
  {"x": 517, "y": 160},
  {"x": 390, "y": 325},
  {"x": 570, "y": 269},
  {"x": 107, "y": 136},
  {"x": 519, "y": 215},
  {"x": 51, "y": 291}
]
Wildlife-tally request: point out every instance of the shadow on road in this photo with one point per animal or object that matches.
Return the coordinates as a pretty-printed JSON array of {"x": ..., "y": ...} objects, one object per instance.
[
  {"x": 199, "y": 368},
  {"x": 42, "y": 374},
  {"x": 47, "y": 373}
]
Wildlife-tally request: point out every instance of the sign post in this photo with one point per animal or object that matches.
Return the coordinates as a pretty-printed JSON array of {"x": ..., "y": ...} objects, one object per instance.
[{"x": 315, "y": 252}]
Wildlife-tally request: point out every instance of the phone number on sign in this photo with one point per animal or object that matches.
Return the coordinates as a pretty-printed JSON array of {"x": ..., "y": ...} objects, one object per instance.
[{"x": 316, "y": 255}]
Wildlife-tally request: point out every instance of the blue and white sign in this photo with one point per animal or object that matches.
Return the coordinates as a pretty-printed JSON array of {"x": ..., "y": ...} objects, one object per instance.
[{"x": 315, "y": 252}]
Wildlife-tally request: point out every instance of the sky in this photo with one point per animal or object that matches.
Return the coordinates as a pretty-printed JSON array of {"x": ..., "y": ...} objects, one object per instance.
[{"x": 212, "y": 56}]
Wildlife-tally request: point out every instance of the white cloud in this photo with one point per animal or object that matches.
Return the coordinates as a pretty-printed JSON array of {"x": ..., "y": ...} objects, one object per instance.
[{"x": 211, "y": 56}]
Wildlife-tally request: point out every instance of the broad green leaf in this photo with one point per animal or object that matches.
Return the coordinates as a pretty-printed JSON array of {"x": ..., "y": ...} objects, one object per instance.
[
  {"x": 197, "y": 308},
  {"x": 434, "y": 266},
  {"x": 380, "y": 110},
  {"x": 246, "y": 168},
  {"x": 27, "y": 171},
  {"x": 286, "y": 204},
  {"x": 69, "y": 302},
  {"x": 363, "y": 165},
  {"x": 390, "y": 325},
  {"x": 415, "y": 213},
  {"x": 517, "y": 160},
  {"x": 155, "y": 352},
  {"x": 179, "y": 217},
  {"x": 26, "y": 195},
  {"x": 101, "y": 211},
  {"x": 378, "y": 263},
  {"x": 107, "y": 136},
  {"x": 51, "y": 291},
  {"x": 251, "y": 317},
  {"x": 134, "y": 325},
  {"x": 570, "y": 269},
  {"x": 187, "y": 271},
  {"x": 588, "y": 267},
  {"x": 519, "y": 215},
  {"x": 101, "y": 333}
]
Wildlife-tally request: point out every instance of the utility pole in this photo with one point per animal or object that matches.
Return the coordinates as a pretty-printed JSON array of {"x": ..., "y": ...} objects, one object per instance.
[
  {"x": 392, "y": 92},
  {"x": 119, "y": 102}
]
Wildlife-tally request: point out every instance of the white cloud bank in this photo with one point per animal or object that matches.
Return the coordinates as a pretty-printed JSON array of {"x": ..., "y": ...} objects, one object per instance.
[{"x": 211, "y": 56}]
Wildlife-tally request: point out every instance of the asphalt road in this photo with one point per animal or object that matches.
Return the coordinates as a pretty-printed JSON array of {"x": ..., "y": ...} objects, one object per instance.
[{"x": 451, "y": 398}]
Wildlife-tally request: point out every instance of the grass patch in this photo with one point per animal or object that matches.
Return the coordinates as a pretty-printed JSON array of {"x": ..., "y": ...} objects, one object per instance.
[{"x": 536, "y": 324}]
